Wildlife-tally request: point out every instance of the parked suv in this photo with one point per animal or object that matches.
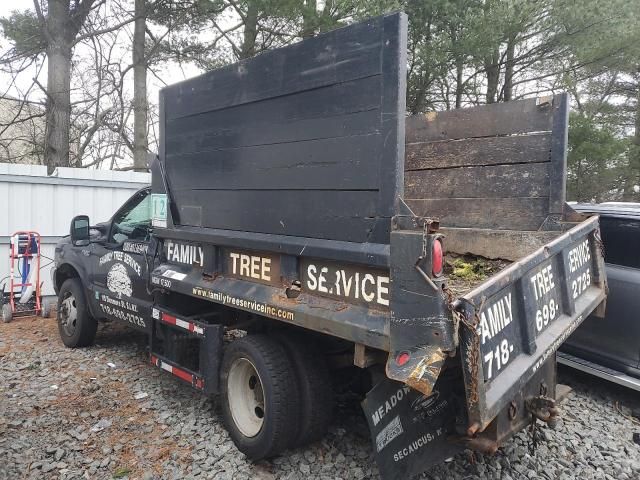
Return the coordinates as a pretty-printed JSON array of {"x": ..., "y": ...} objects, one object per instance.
[{"x": 610, "y": 348}]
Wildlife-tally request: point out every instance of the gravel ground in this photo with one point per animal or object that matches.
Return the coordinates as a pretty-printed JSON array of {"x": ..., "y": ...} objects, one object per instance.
[{"x": 102, "y": 413}]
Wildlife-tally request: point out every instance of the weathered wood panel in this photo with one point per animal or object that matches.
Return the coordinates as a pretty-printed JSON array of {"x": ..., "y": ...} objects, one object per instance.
[
  {"x": 478, "y": 152},
  {"x": 503, "y": 244},
  {"x": 292, "y": 118},
  {"x": 341, "y": 55},
  {"x": 500, "y": 166},
  {"x": 518, "y": 213},
  {"x": 558, "y": 171},
  {"x": 484, "y": 121},
  {"x": 311, "y": 165},
  {"x": 303, "y": 213},
  {"x": 305, "y": 141},
  {"x": 495, "y": 181}
]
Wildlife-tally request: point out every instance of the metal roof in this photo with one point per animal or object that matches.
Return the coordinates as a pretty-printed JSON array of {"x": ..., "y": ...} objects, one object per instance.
[{"x": 610, "y": 209}]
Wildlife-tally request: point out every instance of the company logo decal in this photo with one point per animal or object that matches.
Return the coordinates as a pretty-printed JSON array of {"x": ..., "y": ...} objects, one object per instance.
[{"x": 118, "y": 280}]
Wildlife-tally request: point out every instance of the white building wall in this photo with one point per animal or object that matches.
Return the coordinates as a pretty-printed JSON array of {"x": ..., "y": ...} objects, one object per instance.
[{"x": 31, "y": 200}]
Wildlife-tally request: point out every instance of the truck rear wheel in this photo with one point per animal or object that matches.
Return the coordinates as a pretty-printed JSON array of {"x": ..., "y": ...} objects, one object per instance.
[
  {"x": 316, "y": 391},
  {"x": 76, "y": 326},
  {"x": 260, "y": 402}
]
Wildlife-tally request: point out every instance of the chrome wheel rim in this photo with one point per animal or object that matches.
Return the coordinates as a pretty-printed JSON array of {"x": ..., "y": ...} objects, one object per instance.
[
  {"x": 245, "y": 395},
  {"x": 69, "y": 314}
]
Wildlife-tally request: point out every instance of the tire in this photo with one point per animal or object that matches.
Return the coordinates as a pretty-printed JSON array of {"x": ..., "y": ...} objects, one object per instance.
[
  {"x": 7, "y": 314},
  {"x": 260, "y": 401},
  {"x": 316, "y": 390},
  {"x": 76, "y": 326}
]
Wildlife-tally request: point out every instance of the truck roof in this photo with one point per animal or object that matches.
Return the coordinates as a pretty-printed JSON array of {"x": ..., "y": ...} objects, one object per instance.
[{"x": 611, "y": 209}]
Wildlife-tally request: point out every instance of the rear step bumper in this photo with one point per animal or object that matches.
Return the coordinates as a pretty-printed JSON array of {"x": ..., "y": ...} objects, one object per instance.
[
  {"x": 192, "y": 378},
  {"x": 599, "y": 371}
]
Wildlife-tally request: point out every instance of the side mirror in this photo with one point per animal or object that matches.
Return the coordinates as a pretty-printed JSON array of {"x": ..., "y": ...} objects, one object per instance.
[{"x": 80, "y": 230}]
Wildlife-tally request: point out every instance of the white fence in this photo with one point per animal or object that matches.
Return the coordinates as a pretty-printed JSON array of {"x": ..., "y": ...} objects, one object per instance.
[{"x": 31, "y": 200}]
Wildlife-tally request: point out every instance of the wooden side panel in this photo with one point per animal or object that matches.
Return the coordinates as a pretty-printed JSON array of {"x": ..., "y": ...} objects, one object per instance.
[
  {"x": 497, "y": 166},
  {"x": 491, "y": 181},
  {"x": 471, "y": 152},
  {"x": 504, "y": 244},
  {"x": 519, "y": 213},
  {"x": 508, "y": 118},
  {"x": 305, "y": 141}
]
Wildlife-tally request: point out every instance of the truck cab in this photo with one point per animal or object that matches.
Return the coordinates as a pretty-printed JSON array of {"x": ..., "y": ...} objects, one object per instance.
[{"x": 109, "y": 266}]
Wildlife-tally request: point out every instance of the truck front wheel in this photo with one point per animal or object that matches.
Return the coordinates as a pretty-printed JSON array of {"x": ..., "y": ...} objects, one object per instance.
[
  {"x": 260, "y": 397},
  {"x": 76, "y": 326}
]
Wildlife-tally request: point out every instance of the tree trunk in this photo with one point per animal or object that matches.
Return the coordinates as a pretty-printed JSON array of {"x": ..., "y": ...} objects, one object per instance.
[
  {"x": 492, "y": 70},
  {"x": 327, "y": 22},
  {"x": 58, "y": 108},
  {"x": 250, "y": 31},
  {"x": 459, "y": 85},
  {"x": 491, "y": 60},
  {"x": 508, "y": 70},
  {"x": 309, "y": 18},
  {"x": 140, "y": 105}
]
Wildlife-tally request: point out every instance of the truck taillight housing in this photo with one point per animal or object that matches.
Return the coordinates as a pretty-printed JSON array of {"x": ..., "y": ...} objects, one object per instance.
[{"x": 437, "y": 258}]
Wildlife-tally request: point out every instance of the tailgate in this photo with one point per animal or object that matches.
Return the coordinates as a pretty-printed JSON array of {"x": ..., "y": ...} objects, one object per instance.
[{"x": 516, "y": 321}]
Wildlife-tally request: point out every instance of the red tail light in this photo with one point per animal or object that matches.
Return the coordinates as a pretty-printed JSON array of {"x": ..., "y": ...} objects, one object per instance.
[
  {"x": 437, "y": 258},
  {"x": 402, "y": 359}
]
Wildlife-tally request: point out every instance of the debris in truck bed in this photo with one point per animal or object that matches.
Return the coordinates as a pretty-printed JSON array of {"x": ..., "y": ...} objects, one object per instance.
[{"x": 465, "y": 272}]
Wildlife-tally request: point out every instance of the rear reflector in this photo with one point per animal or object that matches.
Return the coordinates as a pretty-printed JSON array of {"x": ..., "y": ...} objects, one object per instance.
[
  {"x": 402, "y": 358},
  {"x": 437, "y": 258}
]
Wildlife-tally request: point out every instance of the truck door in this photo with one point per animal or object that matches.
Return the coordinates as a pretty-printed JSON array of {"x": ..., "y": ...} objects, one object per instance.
[{"x": 119, "y": 270}]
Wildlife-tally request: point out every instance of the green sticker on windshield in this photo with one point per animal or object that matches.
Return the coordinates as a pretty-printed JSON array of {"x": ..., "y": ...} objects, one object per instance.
[{"x": 159, "y": 210}]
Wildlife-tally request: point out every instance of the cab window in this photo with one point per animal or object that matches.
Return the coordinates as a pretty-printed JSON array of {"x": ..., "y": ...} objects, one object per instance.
[{"x": 133, "y": 222}]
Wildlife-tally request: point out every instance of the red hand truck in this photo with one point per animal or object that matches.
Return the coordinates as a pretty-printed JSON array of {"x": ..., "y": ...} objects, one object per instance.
[{"x": 24, "y": 296}]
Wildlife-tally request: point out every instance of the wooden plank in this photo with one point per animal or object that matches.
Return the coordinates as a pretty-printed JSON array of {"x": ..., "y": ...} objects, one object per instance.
[
  {"x": 498, "y": 213},
  {"x": 301, "y": 116},
  {"x": 478, "y": 151},
  {"x": 309, "y": 165},
  {"x": 344, "y": 215},
  {"x": 339, "y": 56},
  {"x": 484, "y": 121},
  {"x": 495, "y": 244},
  {"x": 496, "y": 181},
  {"x": 559, "y": 147}
]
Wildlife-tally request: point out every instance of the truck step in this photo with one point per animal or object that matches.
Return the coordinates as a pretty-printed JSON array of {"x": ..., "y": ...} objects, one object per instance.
[
  {"x": 188, "y": 325},
  {"x": 192, "y": 378},
  {"x": 599, "y": 371},
  {"x": 188, "y": 347}
]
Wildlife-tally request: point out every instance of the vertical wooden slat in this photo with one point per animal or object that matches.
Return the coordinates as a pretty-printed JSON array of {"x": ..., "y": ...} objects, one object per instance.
[{"x": 559, "y": 143}]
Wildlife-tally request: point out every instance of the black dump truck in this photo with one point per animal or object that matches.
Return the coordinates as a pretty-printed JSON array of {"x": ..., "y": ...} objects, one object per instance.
[{"x": 297, "y": 225}]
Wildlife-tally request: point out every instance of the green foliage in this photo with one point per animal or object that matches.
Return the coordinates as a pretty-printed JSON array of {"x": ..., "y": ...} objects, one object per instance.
[
  {"x": 25, "y": 33},
  {"x": 597, "y": 160},
  {"x": 121, "y": 472}
]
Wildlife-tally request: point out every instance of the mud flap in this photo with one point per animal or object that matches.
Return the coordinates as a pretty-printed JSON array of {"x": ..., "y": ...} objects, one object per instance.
[{"x": 409, "y": 430}]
